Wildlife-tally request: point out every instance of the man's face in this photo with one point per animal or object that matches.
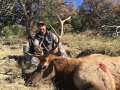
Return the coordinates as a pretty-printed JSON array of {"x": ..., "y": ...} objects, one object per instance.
[{"x": 42, "y": 29}]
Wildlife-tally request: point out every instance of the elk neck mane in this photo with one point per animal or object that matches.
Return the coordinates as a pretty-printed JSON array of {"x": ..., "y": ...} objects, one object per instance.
[{"x": 65, "y": 64}]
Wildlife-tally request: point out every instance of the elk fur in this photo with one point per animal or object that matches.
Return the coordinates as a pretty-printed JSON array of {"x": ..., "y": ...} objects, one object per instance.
[{"x": 96, "y": 72}]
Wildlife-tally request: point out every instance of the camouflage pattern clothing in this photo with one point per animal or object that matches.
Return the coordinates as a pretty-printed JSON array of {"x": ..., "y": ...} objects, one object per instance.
[
  {"x": 46, "y": 42},
  {"x": 49, "y": 40}
]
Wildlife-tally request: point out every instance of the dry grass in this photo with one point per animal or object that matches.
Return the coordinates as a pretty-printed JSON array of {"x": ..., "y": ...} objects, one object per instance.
[
  {"x": 75, "y": 43},
  {"x": 7, "y": 50},
  {"x": 12, "y": 80},
  {"x": 96, "y": 44}
]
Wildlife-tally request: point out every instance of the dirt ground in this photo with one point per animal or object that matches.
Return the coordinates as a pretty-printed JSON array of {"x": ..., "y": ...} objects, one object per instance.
[{"x": 10, "y": 72}]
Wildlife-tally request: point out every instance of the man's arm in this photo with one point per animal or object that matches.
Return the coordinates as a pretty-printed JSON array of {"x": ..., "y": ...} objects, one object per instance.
[{"x": 37, "y": 46}]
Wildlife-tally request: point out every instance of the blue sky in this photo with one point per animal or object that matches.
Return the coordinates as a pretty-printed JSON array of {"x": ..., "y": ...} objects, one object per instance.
[{"x": 77, "y": 2}]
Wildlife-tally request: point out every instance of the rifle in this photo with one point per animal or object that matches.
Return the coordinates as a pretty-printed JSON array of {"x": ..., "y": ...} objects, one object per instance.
[{"x": 31, "y": 44}]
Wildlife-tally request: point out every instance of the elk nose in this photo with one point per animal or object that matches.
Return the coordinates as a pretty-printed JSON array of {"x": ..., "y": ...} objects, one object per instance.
[{"x": 45, "y": 65}]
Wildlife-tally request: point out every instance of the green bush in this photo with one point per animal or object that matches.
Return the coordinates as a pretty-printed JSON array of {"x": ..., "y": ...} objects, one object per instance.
[
  {"x": 77, "y": 23},
  {"x": 13, "y": 30},
  {"x": 7, "y": 31},
  {"x": 18, "y": 30}
]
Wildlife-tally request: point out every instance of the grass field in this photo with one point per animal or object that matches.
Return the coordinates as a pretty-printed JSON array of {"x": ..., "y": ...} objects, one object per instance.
[
  {"x": 76, "y": 44},
  {"x": 10, "y": 73}
]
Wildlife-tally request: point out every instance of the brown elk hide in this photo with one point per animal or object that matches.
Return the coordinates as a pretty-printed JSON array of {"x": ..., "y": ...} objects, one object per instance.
[{"x": 96, "y": 72}]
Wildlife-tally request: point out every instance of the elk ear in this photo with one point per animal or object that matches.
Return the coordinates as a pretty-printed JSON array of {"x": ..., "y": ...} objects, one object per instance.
[{"x": 58, "y": 61}]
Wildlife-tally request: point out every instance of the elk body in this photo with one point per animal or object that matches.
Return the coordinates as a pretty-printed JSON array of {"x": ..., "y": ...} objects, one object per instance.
[{"x": 94, "y": 72}]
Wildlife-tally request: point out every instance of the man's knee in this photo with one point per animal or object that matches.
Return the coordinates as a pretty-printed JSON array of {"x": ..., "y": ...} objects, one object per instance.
[{"x": 25, "y": 49}]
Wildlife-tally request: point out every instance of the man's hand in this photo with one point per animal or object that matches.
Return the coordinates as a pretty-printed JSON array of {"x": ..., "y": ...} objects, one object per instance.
[
  {"x": 40, "y": 49},
  {"x": 55, "y": 51}
]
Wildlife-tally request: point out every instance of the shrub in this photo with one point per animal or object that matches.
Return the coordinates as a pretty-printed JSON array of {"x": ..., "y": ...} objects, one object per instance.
[
  {"x": 7, "y": 31},
  {"x": 18, "y": 30}
]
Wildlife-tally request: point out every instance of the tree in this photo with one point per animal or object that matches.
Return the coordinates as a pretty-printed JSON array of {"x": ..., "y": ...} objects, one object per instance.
[
  {"x": 59, "y": 7},
  {"x": 28, "y": 12},
  {"x": 95, "y": 13},
  {"x": 6, "y": 15}
]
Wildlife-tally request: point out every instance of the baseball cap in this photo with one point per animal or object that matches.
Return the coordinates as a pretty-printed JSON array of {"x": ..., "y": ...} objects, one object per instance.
[{"x": 40, "y": 23}]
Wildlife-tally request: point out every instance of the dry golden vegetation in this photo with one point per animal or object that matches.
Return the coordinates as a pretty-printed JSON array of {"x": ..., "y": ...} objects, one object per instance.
[
  {"x": 94, "y": 44},
  {"x": 10, "y": 73}
]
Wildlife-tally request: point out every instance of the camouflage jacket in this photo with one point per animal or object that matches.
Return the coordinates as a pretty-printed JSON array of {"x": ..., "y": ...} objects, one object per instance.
[{"x": 49, "y": 40}]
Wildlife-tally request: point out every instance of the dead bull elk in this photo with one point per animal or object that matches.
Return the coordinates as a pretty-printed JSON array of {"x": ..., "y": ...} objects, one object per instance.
[{"x": 94, "y": 72}]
